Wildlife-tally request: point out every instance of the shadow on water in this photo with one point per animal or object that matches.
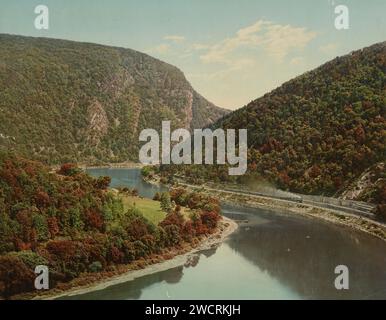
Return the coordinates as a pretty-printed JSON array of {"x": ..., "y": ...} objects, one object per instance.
[
  {"x": 303, "y": 253},
  {"x": 133, "y": 289}
]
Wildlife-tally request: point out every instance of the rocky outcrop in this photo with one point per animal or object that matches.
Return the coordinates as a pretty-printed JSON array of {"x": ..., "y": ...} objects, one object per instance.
[
  {"x": 362, "y": 188},
  {"x": 71, "y": 101},
  {"x": 98, "y": 123}
]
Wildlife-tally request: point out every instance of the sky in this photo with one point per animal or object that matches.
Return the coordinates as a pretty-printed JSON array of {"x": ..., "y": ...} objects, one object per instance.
[{"x": 231, "y": 51}]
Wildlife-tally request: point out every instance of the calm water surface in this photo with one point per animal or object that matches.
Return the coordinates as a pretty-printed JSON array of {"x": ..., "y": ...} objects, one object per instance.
[{"x": 273, "y": 255}]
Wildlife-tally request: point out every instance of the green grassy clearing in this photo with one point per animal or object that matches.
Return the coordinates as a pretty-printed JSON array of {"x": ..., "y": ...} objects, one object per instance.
[{"x": 150, "y": 209}]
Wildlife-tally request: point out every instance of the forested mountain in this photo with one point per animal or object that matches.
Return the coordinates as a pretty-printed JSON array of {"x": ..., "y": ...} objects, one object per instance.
[
  {"x": 63, "y": 100},
  {"x": 323, "y": 132},
  {"x": 320, "y": 131}
]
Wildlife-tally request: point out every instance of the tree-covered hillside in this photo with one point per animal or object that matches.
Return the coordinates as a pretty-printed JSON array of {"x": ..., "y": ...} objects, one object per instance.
[
  {"x": 63, "y": 100},
  {"x": 74, "y": 224},
  {"x": 320, "y": 131}
]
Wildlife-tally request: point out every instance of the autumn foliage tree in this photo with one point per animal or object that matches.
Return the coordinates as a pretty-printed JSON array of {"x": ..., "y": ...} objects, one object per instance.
[
  {"x": 15, "y": 276},
  {"x": 73, "y": 223}
]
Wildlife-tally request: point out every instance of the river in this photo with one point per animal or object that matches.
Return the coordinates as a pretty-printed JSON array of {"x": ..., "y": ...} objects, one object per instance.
[{"x": 273, "y": 255}]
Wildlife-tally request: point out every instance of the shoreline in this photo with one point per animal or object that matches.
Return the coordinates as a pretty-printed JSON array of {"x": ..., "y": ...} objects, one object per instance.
[
  {"x": 349, "y": 220},
  {"x": 344, "y": 219},
  {"x": 341, "y": 218},
  {"x": 118, "y": 165},
  {"x": 227, "y": 227}
]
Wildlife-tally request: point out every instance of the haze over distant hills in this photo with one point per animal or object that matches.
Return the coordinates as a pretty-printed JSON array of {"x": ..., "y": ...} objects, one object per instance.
[{"x": 69, "y": 101}]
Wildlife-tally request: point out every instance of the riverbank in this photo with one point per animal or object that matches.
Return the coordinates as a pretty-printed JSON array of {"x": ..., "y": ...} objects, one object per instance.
[
  {"x": 153, "y": 264},
  {"x": 120, "y": 165},
  {"x": 345, "y": 219}
]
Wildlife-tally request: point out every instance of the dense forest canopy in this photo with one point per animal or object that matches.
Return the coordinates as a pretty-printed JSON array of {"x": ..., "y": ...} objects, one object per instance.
[
  {"x": 74, "y": 224},
  {"x": 317, "y": 133},
  {"x": 68, "y": 101}
]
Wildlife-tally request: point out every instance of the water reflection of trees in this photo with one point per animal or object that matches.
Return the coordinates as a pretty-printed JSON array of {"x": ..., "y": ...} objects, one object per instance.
[
  {"x": 208, "y": 253},
  {"x": 132, "y": 290},
  {"x": 303, "y": 253}
]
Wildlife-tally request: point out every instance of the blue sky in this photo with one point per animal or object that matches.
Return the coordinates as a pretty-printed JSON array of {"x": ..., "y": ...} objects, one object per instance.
[{"x": 232, "y": 51}]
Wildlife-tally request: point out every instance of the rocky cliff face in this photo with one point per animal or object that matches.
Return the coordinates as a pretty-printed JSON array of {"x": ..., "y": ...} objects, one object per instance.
[
  {"x": 63, "y": 100},
  {"x": 365, "y": 187}
]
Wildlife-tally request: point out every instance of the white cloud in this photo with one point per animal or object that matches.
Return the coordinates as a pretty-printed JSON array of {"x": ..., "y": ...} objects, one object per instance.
[
  {"x": 161, "y": 49},
  {"x": 175, "y": 38},
  {"x": 276, "y": 40},
  {"x": 186, "y": 55},
  {"x": 246, "y": 64},
  {"x": 297, "y": 61},
  {"x": 221, "y": 74},
  {"x": 199, "y": 46},
  {"x": 329, "y": 48}
]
